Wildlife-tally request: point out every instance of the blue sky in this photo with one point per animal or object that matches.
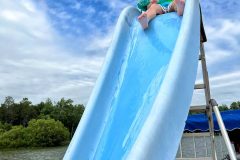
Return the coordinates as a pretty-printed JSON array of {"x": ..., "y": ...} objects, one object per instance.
[{"x": 56, "y": 49}]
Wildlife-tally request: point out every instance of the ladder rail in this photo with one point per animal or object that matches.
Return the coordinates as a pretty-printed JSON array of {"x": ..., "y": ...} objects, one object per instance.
[
  {"x": 222, "y": 127},
  {"x": 207, "y": 98},
  {"x": 211, "y": 106}
]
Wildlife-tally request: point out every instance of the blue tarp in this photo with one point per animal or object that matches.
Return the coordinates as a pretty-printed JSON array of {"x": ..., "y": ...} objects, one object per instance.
[{"x": 199, "y": 122}]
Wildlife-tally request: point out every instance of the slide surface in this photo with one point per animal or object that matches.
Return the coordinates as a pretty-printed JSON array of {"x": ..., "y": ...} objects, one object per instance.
[{"x": 140, "y": 102}]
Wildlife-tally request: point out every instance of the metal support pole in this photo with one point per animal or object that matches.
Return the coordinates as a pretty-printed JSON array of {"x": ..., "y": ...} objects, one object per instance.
[
  {"x": 181, "y": 152},
  {"x": 231, "y": 152}
]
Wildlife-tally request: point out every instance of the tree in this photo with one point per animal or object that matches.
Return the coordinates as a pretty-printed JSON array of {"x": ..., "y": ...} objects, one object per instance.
[
  {"x": 16, "y": 137},
  {"x": 39, "y": 133},
  {"x": 45, "y": 108},
  {"x": 47, "y": 132},
  {"x": 26, "y": 112},
  {"x": 223, "y": 107},
  {"x": 77, "y": 115},
  {"x": 64, "y": 103},
  {"x": 235, "y": 105},
  {"x": 21, "y": 113},
  {"x": 2, "y": 113},
  {"x": 17, "y": 113},
  {"x": 238, "y": 102},
  {"x": 68, "y": 114},
  {"x": 4, "y": 127},
  {"x": 9, "y": 101},
  {"x": 5, "y": 109}
]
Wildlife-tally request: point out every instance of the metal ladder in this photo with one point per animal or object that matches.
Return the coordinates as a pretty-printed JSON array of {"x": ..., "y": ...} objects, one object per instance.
[
  {"x": 206, "y": 108},
  {"x": 211, "y": 104}
]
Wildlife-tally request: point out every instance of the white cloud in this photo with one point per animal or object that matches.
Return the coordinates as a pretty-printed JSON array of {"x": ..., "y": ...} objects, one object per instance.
[
  {"x": 77, "y": 6},
  {"x": 223, "y": 40},
  {"x": 34, "y": 61},
  {"x": 99, "y": 42},
  {"x": 224, "y": 88},
  {"x": 226, "y": 77},
  {"x": 222, "y": 55}
]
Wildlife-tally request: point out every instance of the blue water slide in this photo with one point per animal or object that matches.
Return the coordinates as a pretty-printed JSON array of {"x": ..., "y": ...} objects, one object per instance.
[{"x": 140, "y": 102}]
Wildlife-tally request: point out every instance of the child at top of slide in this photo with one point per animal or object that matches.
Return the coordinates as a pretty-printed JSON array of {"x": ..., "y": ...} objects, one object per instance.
[{"x": 151, "y": 8}]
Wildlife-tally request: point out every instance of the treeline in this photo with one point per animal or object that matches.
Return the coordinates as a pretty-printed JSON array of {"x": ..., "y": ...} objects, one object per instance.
[
  {"x": 233, "y": 106},
  {"x": 38, "y": 133},
  {"x": 55, "y": 122},
  {"x": 223, "y": 107}
]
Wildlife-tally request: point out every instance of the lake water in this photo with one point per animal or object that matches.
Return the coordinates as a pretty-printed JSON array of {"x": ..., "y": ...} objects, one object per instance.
[
  {"x": 202, "y": 146},
  {"x": 53, "y": 153}
]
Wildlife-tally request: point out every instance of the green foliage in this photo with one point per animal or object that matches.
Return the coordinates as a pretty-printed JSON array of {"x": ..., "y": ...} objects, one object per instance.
[
  {"x": 46, "y": 108},
  {"x": 16, "y": 137},
  {"x": 4, "y": 127},
  {"x": 39, "y": 133},
  {"x": 9, "y": 101},
  {"x": 48, "y": 128},
  {"x": 47, "y": 132},
  {"x": 68, "y": 114},
  {"x": 223, "y": 107},
  {"x": 235, "y": 105},
  {"x": 17, "y": 113},
  {"x": 21, "y": 113}
]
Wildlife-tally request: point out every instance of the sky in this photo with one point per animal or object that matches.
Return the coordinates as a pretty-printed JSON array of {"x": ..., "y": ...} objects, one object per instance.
[{"x": 54, "y": 49}]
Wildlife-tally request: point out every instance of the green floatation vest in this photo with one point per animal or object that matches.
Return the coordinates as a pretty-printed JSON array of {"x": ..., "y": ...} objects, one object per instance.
[{"x": 142, "y": 4}]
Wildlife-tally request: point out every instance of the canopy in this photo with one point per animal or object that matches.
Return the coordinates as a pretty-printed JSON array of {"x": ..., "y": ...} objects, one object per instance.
[{"x": 199, "y": 122}]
